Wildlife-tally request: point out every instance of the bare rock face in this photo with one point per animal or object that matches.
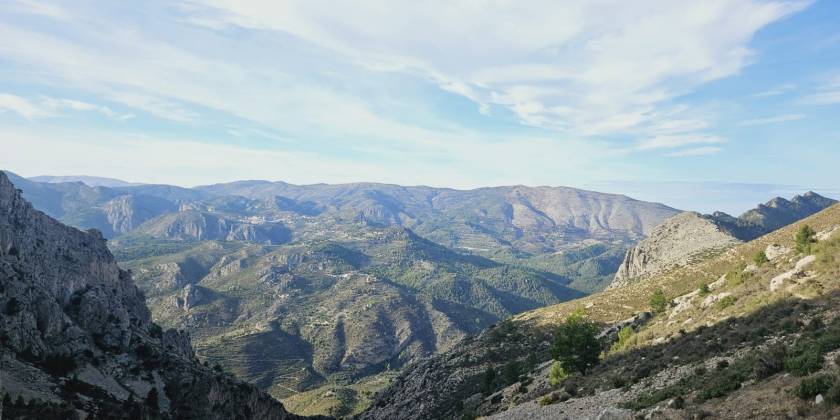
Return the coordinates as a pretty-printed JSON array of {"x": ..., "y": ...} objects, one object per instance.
[
  {"x": 674, "y": 243},
  {"x": 77, "y": 340}
]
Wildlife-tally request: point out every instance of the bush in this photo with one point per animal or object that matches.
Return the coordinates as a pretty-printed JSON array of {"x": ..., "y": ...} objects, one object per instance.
[
  {"x": 510, "y": 372},
  {"x": 59, "y": 365},
  {"x": 155, "y": 331},
  {"x": 760, "y": 258},
  {"x": 726, "y": 302},
  {"x": 548, "y": 399},
  {"x": 769, "y": 362},
  {"x": 658, "y": 301},
  {"x": 12, "y": 307},
  {"x": 575, "y": 345},
  {"x": 556, "y": 374},
  {"x": 833, "y": 394},
  {"x": 813, "y": 386},
  {"x": 703, "y": 290},
  {"x": 488, "y": 380},
  {"x": 623, "y": 339},
  {"x": 803, "y": 361},
  {"x": 804, "y": 239}
]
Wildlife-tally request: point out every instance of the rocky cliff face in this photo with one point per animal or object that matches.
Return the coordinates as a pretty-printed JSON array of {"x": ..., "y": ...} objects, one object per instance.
[
  {"x": 77, "y": 337},
  {"x": 674, "y": 243},
  {"x": 688, "y": 236},
  {"x": 197, "y": 225}
]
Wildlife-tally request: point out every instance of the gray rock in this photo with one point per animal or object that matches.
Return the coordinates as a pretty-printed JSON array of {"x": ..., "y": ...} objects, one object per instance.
[{"x": 613, "y": 413}]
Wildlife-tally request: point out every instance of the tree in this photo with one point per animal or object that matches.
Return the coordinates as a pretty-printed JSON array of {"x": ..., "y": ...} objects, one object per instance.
[
  {"x": 658, "y": 301},
  {"x": 510, "y": 372},
  {"x": 804, "y": 239},
  {"x": 152, "y": 401},
  {"x": 575, "y": 344},
  {"x": 488, "y": 380}
]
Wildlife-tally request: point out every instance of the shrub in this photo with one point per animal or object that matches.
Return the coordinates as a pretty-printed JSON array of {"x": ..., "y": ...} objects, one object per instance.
[
  {"x": 488, "y": 380},
  {"x": 803, "y": 361},
  {"x": 548, "y": 399},
  {"x": 804, "y": 239},
  {"x": 623, "y": 339},
  {"x": 658, "y": 301},
  {"x": 813, "y": 386},
  {"x": 575, "y": 345},
  {"x": 59, "y": 365},
  {"x": 510, "y": 372},
  {"x": 726, "y": 302},
  {"x": 760, "y": 258},
  {"x": 703, "y": 289},
  {"x": 12, "y": 307},
  {"x": 833, "y": 394},
  {"x": 155, "y": 331},
  {"x": 556, "y": 374},
  {"x": 769, "y": 362}
]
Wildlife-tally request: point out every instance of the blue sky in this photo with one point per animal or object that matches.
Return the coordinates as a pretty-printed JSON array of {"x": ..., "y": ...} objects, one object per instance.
[{"x": 706, "y": 105}]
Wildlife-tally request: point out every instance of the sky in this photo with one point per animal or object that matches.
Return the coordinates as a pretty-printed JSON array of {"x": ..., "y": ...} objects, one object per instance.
[{"x": 712, "y": 105}]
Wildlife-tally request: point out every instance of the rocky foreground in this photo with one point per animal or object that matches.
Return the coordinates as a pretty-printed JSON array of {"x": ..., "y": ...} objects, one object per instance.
[{"x": 77, "y": 339}]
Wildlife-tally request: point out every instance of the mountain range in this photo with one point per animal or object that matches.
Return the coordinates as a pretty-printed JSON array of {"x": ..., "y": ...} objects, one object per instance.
[{"x": 322, "y": 294}]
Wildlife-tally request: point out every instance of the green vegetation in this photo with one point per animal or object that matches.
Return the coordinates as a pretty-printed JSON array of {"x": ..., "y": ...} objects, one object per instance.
[
  {"x": 556, "y": 374},
  {"x": 726, "y": 302},
  {"x": 624, "y": 339},
  {"x": 805, "y": 239},
  {"x": 488, "y": 380},
  {"x": 812, "y": 386},
  {"x": 703, "y": 289},
  {"x": 658, "y": 301},
  {"x": 575, "y": 345},
  {"x": 760, "y": 258}
]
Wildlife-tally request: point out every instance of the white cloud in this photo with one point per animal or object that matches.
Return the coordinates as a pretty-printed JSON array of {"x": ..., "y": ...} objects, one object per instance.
[
  {"x": 827, "y": 93},
  {"x": 772, "y": 120},
  {"x": 21, "y": 106},
  {"x": 675, "y": 141},
  {"x": 44, "y": 107},
  {"x": 697, "y": 151},
  {"x": 777, "y": 90},
  {"x": 590, "y": 67}
]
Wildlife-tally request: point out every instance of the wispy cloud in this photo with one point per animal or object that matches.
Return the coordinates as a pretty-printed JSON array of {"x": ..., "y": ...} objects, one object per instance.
[
  {"x": 676, "y": 141},
  {"x": 584, "y": 67},
  {"x": 772, "y": 120},
  {"x": 696, "y": 151},
  {"x": 827, "y": 93},
  {"x": 44, "y": 107},
  {"x": 776, "y": 90}
]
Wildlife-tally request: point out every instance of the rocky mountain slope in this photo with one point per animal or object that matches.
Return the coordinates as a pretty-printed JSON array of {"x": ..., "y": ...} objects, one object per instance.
[
  {"x": 525, "y": 219},
  {"x": 77, "y": 338},
  {"x": 341, "y": 310},
  {"x": 688, "y": 236},
  {"x": 677, "y": 242},
  {"x": 737, "y": 337}
]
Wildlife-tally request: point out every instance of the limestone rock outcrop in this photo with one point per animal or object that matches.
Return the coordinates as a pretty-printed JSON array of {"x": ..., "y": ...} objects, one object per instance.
[{"x": 674, "y": 243}]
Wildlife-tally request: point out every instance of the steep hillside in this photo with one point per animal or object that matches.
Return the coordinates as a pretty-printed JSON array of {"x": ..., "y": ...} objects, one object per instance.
[
  {"x": 77, "y": 337},
  {"x": 739, "y": 336},
  {"x": 320, "y": 313},
  {"x": 690, "y": 236}
]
